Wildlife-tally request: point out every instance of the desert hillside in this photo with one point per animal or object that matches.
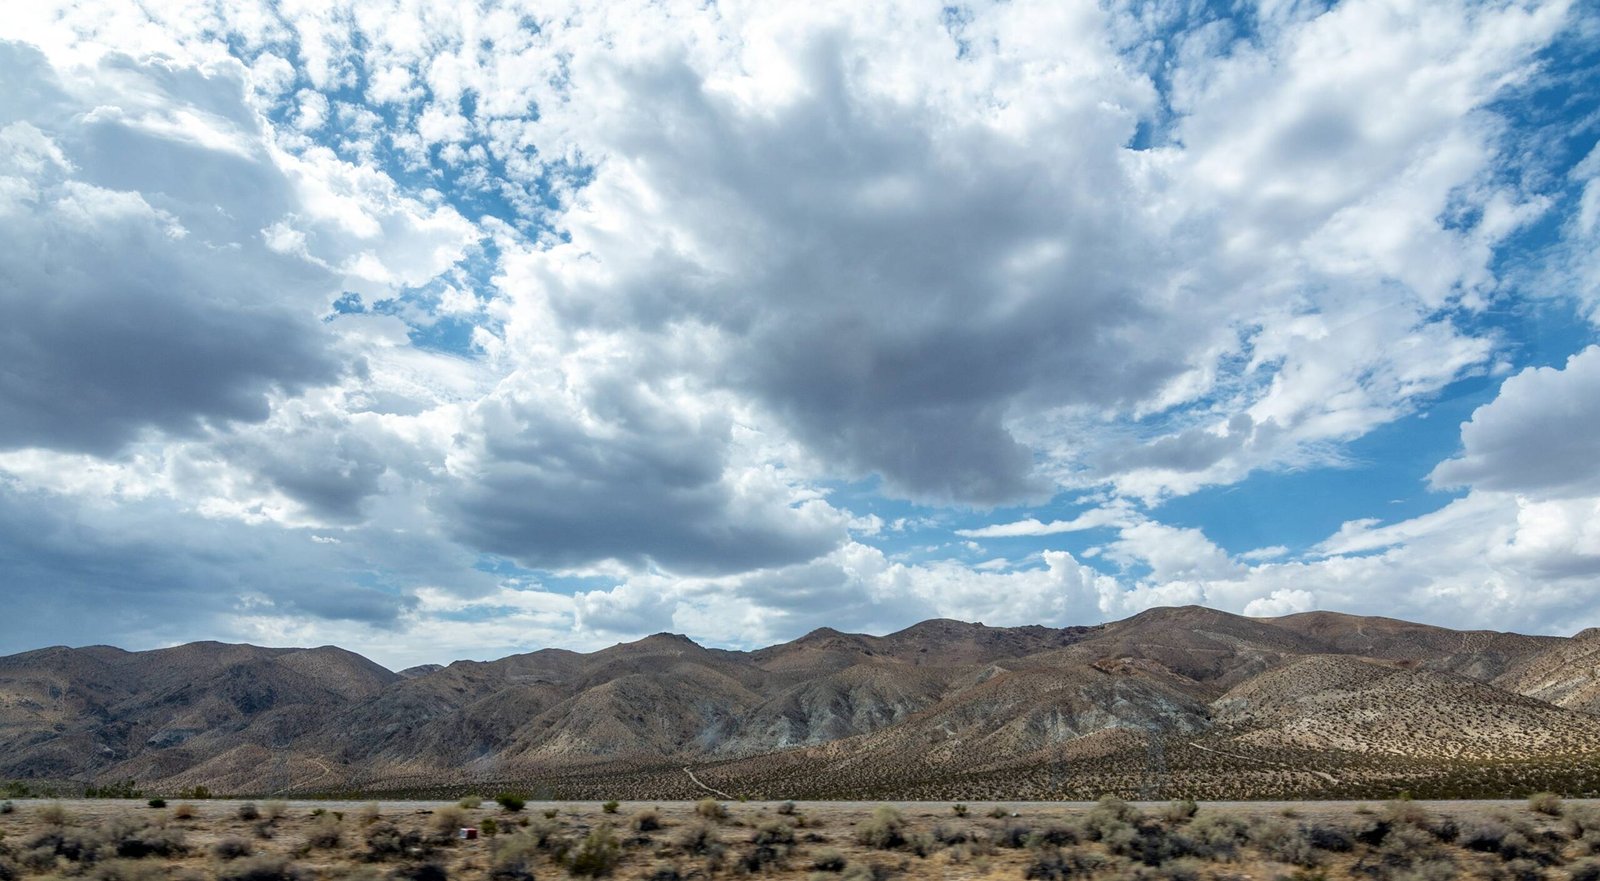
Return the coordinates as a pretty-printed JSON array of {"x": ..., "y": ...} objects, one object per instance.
[{"x": 1171, "y": 702}]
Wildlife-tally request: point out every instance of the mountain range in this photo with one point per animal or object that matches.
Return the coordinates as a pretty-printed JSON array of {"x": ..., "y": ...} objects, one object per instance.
[{"x": 1170, "y": 702}]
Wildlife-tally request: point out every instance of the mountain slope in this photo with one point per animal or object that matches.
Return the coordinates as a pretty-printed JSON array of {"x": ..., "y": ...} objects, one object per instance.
[{"x": 1183, "y": 700}]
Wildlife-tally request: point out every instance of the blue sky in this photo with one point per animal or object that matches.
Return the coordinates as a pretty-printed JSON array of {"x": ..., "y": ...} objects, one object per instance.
[{"x": 442, "y": 330}]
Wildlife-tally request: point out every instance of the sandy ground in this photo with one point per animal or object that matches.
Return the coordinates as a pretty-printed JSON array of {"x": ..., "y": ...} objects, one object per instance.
[{"x": 819, "y": 827}]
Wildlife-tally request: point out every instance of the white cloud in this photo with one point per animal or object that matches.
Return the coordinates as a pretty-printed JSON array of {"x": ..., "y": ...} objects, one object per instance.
[{"x": 1541, "y": 435}]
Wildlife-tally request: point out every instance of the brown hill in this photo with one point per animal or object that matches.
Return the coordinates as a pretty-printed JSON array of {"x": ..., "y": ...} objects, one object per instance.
[
  {"x": 1566, "y": 673},
  {"x": 1179, "y": 700}
]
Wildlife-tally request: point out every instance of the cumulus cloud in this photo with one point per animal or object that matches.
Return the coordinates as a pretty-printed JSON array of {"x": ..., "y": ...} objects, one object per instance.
[
  {"x": 630, "y": 292},
  {"x": 1540, "y": 436},
  {"x": 567, "y": 471},
  {"x": 122, "y": 313}
]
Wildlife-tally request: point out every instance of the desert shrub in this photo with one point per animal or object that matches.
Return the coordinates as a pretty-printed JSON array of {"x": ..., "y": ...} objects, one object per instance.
[
  {"x": 1485, "y": 834},
  {"x": 999, "y": 812},
  {"x": 1116, "y": 807},
  {"x": 489, "y": 827},
  {"x": 959, "y": 809},
  {"x": 1180, "y": 811},
  {"x": 647, "y": 820},
  {"x": 1053, "y": 835},
  {"x": 1581, "y": 818},
  {"x": 1054, "y": 864},
  {"x": 513, "y": 857},
  {"x": 923, "y": 844},
  {"x": 1445, "y": 829},
  {"x": 1014, "y": 834},
  {"x": 831, "y": 860},
  {"x": 248, "y": 811},
  {"x": 1585, "y": 870},
  {"x": 185, "y": 811},
  {"x": 325, "y": 833},
  {"x": 950, "y": 833},
  {"x": 787, "y": 808},
  {"x": 8, "y": 807},
  {"x": 885, "y": 830},
  {"x": 760, "y": 857},
  {"x": 1217, "y": 836},
  {"x": 1330, "y": 837},
  {"x": 711, "y": 809},
  {"x": 1411, "y": 854},
  {"x": 231, "y": 848},
  {"x": 700, "y": 839},
  {"x": 54, "y": 814},
  {"x": 387, "y": 841},
  {"x": 129, "y": 870},
  {"x": 774, "y": 832},
  {"x": 1107, "y": 820},
  {"x": 1282, "y": 841},
  {"x": 1518, "y": 870},
  {"x": 547, "y": 836},
  {"x": 864, "y": 872},
  {"x": 597, "y": 855},
  {"x": 262, "y": 868},
  {"x": 369, "y": 814},
  {"x": 511, "y": 802},
  {"x": 74, "y": 845},
  {"x": 1371, "y": 831},
  {"x": 428, "y": 871},
  {"x": 274, "y": 809},
  {"x": 1404, "y": 812},
  {"x": 9, "y": 870},
  {"x": 470, "y": 802},
  {"x": 139, "y": 841},
  {"x": 551, "y": 813},
  {"x": 665, "y": 872},
  {"x": 448, "y": 820},
  {"x": 1547, "y": 803},
  {"x": 157, "y": 802}
]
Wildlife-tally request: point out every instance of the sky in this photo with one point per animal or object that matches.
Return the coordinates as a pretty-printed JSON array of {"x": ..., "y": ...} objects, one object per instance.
[{"x": 439, "y": 329}]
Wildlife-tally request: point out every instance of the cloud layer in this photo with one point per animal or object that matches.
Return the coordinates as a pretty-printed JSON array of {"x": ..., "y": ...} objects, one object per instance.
[{"x": 438, "y": 330}]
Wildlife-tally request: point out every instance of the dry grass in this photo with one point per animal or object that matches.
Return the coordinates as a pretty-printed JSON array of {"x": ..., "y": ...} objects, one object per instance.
[{"x": 1111, "y": 840}]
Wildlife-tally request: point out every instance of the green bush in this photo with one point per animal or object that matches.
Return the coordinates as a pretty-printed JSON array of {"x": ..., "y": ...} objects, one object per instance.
[
  {"x": 510, "y": 802},
  {"x": 959, "y": 809},
  {"x": 611, "y": 807},
  {"x": 249, "y": 811},
  {"x": 157, "y": 802}
]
